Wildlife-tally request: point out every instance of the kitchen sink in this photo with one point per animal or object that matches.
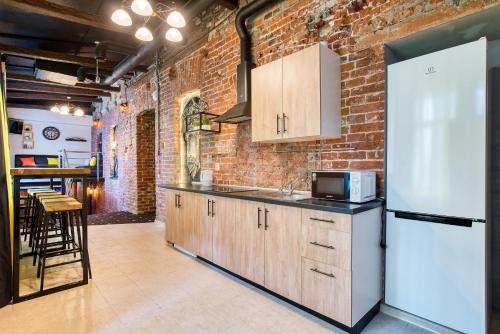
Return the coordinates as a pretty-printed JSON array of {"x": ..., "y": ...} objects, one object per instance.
[{"x": 285, "y": 197}]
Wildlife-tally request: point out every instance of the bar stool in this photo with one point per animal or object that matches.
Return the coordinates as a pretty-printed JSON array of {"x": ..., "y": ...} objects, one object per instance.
[
  {"x": 54, "y": 209},
  {"x": 28, "y": 211}
]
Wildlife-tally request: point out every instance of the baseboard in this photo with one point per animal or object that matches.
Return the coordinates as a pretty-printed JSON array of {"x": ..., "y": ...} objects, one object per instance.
[{"x": 416, "y": 320}]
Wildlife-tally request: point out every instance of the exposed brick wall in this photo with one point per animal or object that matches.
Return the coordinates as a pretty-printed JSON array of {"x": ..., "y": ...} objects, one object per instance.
[
  {"x": 357, "y": 35},
  {"x": 146, "y": 178}
]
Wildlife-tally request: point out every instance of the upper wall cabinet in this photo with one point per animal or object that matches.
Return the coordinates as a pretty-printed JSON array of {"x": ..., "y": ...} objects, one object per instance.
[{"x": 297, "y": 97}]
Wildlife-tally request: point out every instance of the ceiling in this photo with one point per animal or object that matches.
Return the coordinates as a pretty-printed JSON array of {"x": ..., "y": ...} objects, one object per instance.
[{"x": 28, "y": 28}]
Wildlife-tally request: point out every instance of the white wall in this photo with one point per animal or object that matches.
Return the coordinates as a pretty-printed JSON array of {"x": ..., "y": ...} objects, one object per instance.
[{"x": 69, "y": 126}]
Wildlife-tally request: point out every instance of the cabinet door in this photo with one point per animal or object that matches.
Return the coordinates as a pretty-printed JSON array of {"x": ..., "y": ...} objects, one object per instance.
[
  {"x": 282, "y": 251},
  {"x": 267, "y": 102},
  {"x": 204, "y": 226},
  {"x": 172, "y": 218},
  {"x": 190, "y": 208},
  {"x": 224, "y": 215},
  {"x": 302, "y": 93},
  {"x": 327, "y": 289},
  {"x": 249, "y": 245}
]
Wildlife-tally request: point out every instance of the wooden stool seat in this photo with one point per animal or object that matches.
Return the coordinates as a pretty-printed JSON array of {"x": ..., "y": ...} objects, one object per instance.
[
  {"x": 62, "y": 206},
  {"x": 32, "y": 192},
  {"x": 57, "y": 199},
  {"x": 49, "y": 195}
]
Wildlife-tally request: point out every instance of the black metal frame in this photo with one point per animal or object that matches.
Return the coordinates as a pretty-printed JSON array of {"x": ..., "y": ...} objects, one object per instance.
[
  {"x": 17, "y": 235},
  {"x": 200, "y": 116}
]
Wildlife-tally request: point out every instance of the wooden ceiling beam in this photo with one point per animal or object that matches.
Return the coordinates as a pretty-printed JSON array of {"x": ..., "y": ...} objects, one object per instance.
[
  {"x": 27, "y": 78},
  {"x": 229, "y": 4},
  {"x": 55, "y": 89},
  {"x": 65, "y": 13},
  {"x": 50, "y": 97},
  {"x": 10, "y": 104},
  {"x": 52, "y": 56}
]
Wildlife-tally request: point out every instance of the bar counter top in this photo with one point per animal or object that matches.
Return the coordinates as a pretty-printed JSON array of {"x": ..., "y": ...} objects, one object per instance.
[{"x": 49, "y": 171}]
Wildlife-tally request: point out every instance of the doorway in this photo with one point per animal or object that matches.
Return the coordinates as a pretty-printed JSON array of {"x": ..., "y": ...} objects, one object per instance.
[{"x": 145, "y": 162}]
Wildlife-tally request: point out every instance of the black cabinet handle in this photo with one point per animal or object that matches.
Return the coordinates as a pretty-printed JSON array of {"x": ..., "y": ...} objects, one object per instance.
[
  {"x": 259, "y": 224},
  {"x": 284, "y": 122},
  {"x": 266, "y": 225},
  {"x": 322, "y": 272},
  {"x": 209, "y": 207},
  {"x": 321, "y": 245},
  {"x": 331, "y": 221},
  {"x": 278, "y": 124},
  {"x": 213, "y": 210},
  {"x": 179, "y": 201},
  {"x": 176, "y": 202}
]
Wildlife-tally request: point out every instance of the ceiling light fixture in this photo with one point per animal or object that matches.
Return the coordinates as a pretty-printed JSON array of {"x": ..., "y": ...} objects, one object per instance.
[
  {"x": 78, "y": 112},
  {"x": 176, "y": 20},
  {"x": 142, "y": 7},
  {"x": 166, "y": 13},
  {"x": 173, "y": 35},
  {"x": 144, "y": 34},
  {"x": 121, "y": 17},
  {"x": 65, "y": 109}
]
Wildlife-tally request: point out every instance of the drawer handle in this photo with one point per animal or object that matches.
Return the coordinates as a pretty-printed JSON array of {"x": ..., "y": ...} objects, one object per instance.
[
  {"x": 331, "y": 221},
  {"x": 321, "y": 245},
  {"x": 322, "y": 273}
]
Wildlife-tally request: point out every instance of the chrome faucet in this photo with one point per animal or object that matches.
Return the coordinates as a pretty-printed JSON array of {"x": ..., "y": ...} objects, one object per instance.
[{"x": 293, "y": 185}]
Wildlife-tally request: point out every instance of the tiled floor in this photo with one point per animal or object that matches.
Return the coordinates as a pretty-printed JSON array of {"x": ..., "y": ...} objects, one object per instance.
[{"x": 141, "y": 285}]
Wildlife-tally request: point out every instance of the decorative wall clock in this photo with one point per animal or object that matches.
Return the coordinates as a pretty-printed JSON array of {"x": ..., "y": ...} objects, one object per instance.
[{"x": 51, "y": 133}]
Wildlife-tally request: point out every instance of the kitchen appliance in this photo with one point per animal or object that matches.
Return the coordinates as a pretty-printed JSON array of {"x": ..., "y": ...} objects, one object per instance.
[
  {"x": 349, "y": 186},
  {"x": 206, "y": 177},
  {"x": 436, "y": 187}
]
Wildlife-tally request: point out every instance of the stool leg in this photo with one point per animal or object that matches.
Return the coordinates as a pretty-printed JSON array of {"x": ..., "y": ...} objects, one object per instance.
[
  {"x": 83, "y": 254},
  {"x": 27, "y": 212},
  {"x": 37, "y": 231},
  {"x": 44, "y": 249}
]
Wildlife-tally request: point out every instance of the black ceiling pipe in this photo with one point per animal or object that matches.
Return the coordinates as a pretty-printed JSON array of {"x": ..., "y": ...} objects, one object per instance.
[
  {"x": 242, "y": 111},
  {"x": 192, "y": 8}
]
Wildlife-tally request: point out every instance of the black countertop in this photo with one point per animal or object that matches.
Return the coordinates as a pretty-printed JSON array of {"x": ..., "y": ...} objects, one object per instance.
[{"x": 271, "y": 198}]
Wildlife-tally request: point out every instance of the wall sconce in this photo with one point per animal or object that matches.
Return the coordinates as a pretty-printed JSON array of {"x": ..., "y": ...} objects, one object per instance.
[
  {"x": 113, "y": 145},
  {"x": 124, "y": 107}
]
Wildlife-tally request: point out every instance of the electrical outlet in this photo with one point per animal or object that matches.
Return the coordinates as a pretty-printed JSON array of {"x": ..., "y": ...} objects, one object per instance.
[{"x": 217, "y": 167}]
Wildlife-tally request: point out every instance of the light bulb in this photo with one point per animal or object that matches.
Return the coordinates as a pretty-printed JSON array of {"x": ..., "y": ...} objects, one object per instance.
[
  {"x": 55, "y": 109},
  {"x": 79, "y": 112},
  {"x": 142, "y": 7},
  {"x": 173, "y": 35},
  {"x": 64, "y": 110},
  {"x": 121, "y": 17},
  {"x": 144, "y": 34},
  {"x": 176, "y": 20}
]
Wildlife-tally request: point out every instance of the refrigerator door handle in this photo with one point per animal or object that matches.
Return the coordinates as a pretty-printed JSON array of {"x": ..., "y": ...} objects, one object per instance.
[{"x": 434, "y": 219}]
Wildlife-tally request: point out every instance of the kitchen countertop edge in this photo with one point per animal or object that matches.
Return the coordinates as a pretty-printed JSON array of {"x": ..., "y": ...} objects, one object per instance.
[{"x": 340, "y": 207}]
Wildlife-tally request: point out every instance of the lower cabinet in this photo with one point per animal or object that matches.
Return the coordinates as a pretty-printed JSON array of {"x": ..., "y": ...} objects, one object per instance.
[
  {"x": 249, "y": 241},
  {"x": 329, "y": 262},
  {"x": 282, "y": 250},
  {"x": 327, "y": 290},
  {"x": 223, "y": 217}
]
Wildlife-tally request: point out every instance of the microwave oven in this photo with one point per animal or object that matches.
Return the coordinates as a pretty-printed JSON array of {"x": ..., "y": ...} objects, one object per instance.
[{"x": 347, "y": 186}]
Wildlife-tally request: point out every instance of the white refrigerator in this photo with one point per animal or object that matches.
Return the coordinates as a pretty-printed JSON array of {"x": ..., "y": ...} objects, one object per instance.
[{"x": 436, "y": 187}]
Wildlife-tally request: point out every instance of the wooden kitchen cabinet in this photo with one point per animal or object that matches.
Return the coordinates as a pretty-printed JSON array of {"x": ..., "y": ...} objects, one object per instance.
[
  {"x": 249, "y": 241},
  {"x": 172, "y": 228},
  {"x": 223, "y": 217},
  {"x": 282, "y": 250},
  {"x": 297, "y": 97},
  {"x": 267, "y": 102}
]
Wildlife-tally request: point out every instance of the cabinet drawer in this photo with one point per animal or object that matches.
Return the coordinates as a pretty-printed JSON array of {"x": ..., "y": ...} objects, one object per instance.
[
  {"x": 336, "y": 221},
  {"x": 327, "y": 290},
  {"x": 321, "y": 242}
]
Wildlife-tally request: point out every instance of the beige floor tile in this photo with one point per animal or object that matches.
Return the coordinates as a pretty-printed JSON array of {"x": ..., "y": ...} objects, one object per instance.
[{"x": 141, "y": 285}]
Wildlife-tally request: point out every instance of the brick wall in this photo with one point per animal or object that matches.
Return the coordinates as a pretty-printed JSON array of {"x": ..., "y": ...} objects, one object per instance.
[{"x": 356, "y": 33}]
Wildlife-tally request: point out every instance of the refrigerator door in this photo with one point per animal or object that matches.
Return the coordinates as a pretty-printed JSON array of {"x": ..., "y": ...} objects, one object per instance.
[
  {"x": 437, "y": 271},
  {"x": 436, "y": 133}
]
